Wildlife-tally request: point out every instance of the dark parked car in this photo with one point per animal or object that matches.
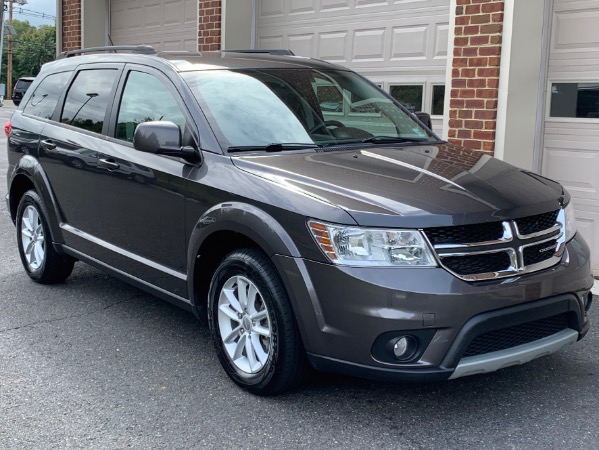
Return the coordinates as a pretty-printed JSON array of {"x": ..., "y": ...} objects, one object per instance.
[
  {"x": 20, "y": 88},
  {"x": 332, "y": 238}
]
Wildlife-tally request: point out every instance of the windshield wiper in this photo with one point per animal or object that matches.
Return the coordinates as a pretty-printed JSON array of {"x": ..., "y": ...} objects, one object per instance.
[
  {"x": 393, "y": 139},
  {"x": 276, "y": 147}
]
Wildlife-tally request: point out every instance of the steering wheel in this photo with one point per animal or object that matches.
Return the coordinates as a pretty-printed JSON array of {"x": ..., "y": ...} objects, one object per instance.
[{"x": 325, "y": 124}]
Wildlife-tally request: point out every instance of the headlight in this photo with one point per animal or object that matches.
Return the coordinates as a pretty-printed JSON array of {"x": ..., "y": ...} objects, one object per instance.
[
  {"x": 354, "y": 246},
  {"x": 570, "y": 221}
]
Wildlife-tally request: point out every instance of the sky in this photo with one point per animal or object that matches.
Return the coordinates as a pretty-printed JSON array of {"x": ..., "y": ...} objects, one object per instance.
[{"x": 39, "y": 6}]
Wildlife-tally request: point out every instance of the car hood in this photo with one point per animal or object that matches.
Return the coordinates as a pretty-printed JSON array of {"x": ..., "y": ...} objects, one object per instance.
[{"x": 411, "y": 186}]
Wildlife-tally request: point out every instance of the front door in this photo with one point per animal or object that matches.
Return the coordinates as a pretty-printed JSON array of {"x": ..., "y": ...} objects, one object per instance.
[{"x": 141, "y": 203}]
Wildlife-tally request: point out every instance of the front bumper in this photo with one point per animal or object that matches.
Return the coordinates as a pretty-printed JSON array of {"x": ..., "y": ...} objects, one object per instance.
[{"x": 344, "y": 313}]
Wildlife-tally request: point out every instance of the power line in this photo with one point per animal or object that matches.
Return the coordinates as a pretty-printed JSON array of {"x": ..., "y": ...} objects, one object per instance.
[{"x": 31, "y": 13}]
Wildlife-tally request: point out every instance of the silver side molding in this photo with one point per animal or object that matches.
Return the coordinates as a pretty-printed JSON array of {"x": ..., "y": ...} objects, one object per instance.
[{"x": 490, "y": 362}]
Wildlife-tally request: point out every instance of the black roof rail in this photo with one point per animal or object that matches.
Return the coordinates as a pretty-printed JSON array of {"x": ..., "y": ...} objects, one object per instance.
[
  {"x": 143, "y": 49},
  {"x": 272, "y": 51}
]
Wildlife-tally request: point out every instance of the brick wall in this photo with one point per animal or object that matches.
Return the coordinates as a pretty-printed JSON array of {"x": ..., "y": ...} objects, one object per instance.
[
  {"x": 210, "y": 25},
  {"x": 71, "y": 24},
  {"x": 475, "y": 73}
]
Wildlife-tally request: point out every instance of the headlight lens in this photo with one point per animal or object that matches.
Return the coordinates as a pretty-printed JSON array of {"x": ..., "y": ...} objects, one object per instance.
[
  {"x": 570, "y": 221},
  {"x": 354, "y": 246}
]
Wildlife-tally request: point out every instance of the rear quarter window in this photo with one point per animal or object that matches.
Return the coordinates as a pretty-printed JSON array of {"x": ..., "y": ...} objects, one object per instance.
[{"x": 43, "y": 101}]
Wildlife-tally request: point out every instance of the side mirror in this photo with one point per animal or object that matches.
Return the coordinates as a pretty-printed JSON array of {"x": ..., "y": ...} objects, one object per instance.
[
  {"x": 425, "y": 118},
  {"x": 162, "y": 138}
]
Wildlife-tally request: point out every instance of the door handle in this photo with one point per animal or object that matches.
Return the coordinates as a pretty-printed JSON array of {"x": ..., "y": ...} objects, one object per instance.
[
  {"x": 48, "y": 144},
  {"x": 109, "y": 164}
]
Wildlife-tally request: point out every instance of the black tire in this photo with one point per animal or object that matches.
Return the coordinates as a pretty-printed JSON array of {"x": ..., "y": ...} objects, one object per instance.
[
  {"x": 286, "y": 364},
  {"x": 52, "y": 267}
]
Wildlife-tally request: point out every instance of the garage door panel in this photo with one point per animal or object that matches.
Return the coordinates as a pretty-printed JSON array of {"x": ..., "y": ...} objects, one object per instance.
[
  {"x": 409, "y": 42},
  {"x": 571, "y": 143},
  {"x": 369, "y": 45},
  {"x": 575, "y": 169},
  {"x": 164, "y": 25}
]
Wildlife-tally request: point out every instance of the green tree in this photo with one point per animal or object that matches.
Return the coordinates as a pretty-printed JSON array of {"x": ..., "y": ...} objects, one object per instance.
[{"x": 32, "y": 47}]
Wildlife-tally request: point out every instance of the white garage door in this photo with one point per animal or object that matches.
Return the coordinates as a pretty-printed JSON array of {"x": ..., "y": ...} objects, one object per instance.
[
  {"x": 164, "y": 25},
  {"x": 399, "y": 45},
  {"x": 571, "y": 140}
]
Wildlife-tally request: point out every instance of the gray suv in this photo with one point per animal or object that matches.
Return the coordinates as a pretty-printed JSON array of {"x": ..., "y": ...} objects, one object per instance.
[{"x": 347, "y": 239}]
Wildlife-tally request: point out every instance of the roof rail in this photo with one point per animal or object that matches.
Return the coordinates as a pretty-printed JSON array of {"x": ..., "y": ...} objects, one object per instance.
[
  {"x": 272, "y": 51},
  {"x": 143, "y": 49}
]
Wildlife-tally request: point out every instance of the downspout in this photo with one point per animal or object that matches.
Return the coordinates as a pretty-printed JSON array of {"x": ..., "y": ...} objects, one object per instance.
[
  {"x": 253, "y": 29},
  {"x": 58, "y": 27}
]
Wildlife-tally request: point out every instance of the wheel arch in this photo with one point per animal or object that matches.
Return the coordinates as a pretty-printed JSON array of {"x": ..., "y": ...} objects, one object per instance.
[
  {"x": 29, "y": 174},
  {"x": 222, "y": 229}
]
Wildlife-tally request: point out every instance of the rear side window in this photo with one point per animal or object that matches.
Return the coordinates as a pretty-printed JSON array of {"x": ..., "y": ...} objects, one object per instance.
[
  {"x": 85, "y": 105},
  {"x": 43, "y": 101},
  {"x": 23, "y": 84}
]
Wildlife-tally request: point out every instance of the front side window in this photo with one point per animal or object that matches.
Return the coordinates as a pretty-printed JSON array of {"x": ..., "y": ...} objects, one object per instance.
[
  {"x": 146, "y": 98},
  {"x": 88, "y": 96},
  {"x": 260, "y": 107},
  {"x": 43, "y": 101}
]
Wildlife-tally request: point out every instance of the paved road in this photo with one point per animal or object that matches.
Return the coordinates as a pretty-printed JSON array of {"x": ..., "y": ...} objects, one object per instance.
[{"x": 95, "y": 363}]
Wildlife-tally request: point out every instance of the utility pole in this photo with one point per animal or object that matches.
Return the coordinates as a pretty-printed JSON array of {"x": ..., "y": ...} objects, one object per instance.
[
  {"x": 9, "y": 55},
  {"x": 1, "y": 37}
]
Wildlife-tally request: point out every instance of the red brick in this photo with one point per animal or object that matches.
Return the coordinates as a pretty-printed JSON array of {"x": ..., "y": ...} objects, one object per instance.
[
  {"x": 491, "y": 29},
  {"x": 475, "y": 104},
  {"x": 478, "y": 62},
  {"x": 475, "y": 145},
  {"x": 477, "y": 83},
  {"x": 490, "y": 51},
  {"x": 461, "y": 41},
  {"x": 485, "y": 135},
  {"x": 485, "y": 114},
  {"x": 479, "y": 40},
  {"x": 469, "y": 51},
  {"x": 486, "y": 93},
  {"x": 472, "y": 9},
  {"x": 474, "y": 124},
  {"x": 492, "y": 7},
  {"x": 472, "y": 29},
  {"x": 480, "y": 19},
  {"x": 459, "y": 82}
]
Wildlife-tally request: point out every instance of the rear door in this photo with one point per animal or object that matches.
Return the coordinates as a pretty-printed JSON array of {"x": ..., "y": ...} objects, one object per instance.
[{"x": 69, "y": 146}]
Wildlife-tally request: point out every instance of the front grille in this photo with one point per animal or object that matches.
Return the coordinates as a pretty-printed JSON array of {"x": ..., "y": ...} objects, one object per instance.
[
  {"x": 500, "y": 249},
  {"x": 483, "y": 263},
  {"x": 465, "y": 234},
  {"x": 535, "y": 224},
  {"x": 494, "y": 341},
  {"x": 539, "y": 252}
]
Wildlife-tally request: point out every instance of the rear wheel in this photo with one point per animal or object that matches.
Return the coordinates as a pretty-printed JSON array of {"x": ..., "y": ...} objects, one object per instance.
[
  {"x": 40, "y": 260},
  {"x": 253, "y": 327}
]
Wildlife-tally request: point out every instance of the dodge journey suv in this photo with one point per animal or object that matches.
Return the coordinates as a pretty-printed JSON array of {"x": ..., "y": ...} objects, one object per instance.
[{"x": 306, "y": 215}]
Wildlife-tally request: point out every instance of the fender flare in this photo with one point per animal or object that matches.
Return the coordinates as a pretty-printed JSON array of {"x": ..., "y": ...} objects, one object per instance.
[
  {"x": 242, "y": 218},
  {"x": 30, "y": 167}
]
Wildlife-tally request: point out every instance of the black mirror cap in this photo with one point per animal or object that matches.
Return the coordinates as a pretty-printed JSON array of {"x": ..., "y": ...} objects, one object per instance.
[
  {"x": 154, "y": 137},
  {"x": 425, "y": 118}
]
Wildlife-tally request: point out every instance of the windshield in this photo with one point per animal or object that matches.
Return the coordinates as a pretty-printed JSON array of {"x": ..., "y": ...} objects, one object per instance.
[{"x": 260, "y": 107}]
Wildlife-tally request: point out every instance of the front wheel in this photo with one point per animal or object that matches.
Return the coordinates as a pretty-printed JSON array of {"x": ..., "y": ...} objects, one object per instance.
[
  {"x": 253, "y": 326},
  {"x": 42, "y": 263}
]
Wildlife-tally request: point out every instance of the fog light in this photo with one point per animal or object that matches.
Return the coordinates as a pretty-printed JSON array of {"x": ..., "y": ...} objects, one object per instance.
[
  {"x": 401, "y": 347},
  {"x": 589, "y": 300}
]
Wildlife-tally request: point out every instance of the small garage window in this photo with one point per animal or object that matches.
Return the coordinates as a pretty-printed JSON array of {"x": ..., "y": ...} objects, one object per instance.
[
  {"x": 575, "y": 100},
  {"x": 409, "y": 95},
  {"x": 437, "y": 100}
]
